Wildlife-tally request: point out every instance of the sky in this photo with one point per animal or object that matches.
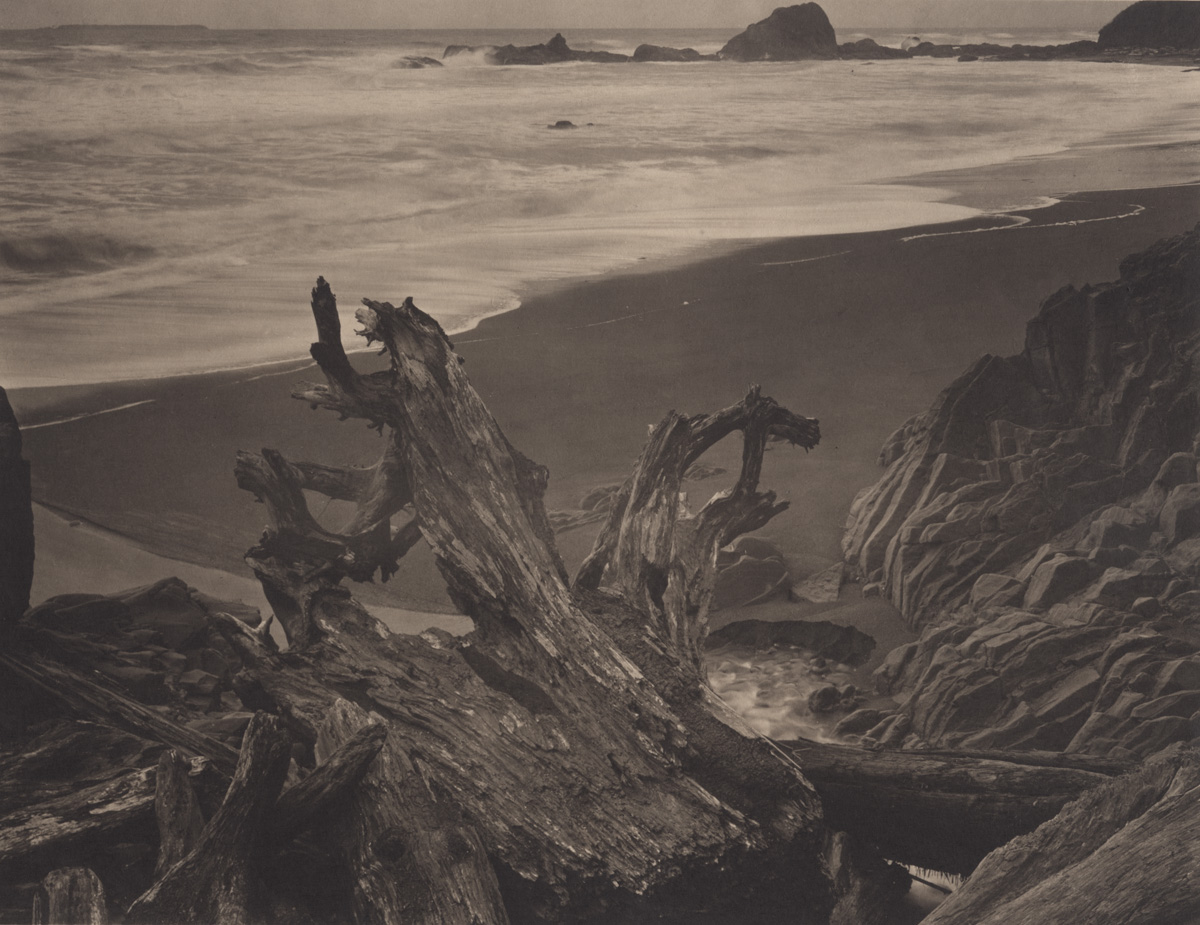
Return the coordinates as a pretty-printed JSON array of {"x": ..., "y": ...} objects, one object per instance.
[{"x": 551, "y": 14}]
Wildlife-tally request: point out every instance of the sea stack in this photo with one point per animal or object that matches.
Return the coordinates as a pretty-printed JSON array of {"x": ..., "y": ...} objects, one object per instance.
[
  {"x": 1154, "y": 24},
  {"x": 791, "y": 33}
]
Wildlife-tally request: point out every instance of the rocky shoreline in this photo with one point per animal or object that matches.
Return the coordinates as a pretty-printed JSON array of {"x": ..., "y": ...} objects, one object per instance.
[{"x": 1153, "y": 31}]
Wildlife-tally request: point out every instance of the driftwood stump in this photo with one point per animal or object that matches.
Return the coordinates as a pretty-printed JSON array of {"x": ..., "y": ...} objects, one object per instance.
[
  {"x": 570, "y": 733},
  {"x": 565, "y": 761}
]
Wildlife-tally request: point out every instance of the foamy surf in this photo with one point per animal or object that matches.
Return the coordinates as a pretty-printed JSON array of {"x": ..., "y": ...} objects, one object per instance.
[{"x": 173, "y": 213}]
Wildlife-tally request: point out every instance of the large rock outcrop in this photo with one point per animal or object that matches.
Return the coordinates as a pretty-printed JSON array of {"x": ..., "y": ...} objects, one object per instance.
[
  {"x": 1040, "y": 525},
  {"x": 791, "y": 33},
  {"x": 1154, "y": 24}
]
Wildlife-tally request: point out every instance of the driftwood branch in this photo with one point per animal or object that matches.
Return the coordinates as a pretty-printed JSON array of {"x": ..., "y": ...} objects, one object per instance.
[{"x": 655, "y": 552}]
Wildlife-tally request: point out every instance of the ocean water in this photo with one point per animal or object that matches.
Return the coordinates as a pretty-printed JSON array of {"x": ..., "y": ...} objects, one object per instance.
[{"x": 168, "y": 197}]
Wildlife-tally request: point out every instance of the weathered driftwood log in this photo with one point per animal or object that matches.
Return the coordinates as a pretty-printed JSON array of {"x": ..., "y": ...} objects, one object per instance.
[
  {"x": 92, "y": 697},
  {"x": 330, "y": 787},
  {"x": 176, "y": 810},
  {"x": 70, "y": 896},
  {"x": 658, "y": 554},
  {"x": 89, "y": 814},
  {"x": 16, "y": 520},
  {"x": 596, "y": 775},
  {"x": 1125, "y": 853},
  {"x": 410, "y": 858},
  {"x": 943, "y": 810},
  {"x": 212, "y": 883}
]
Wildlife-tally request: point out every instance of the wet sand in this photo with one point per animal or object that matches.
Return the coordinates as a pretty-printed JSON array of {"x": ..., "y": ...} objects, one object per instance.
[{"x": 860, "y": 331}]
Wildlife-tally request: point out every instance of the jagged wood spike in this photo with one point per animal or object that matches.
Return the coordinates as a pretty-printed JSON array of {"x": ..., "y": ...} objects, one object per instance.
[
  {"x": 330, "y": 786},
  {"x": 176, "y": 810}
]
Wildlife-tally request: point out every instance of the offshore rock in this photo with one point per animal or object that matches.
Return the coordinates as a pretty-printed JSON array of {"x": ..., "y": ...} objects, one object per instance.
[
  {"x": 1154, "y": 24},
  {"x": 791, "y": 33},
  {"x": 869, "y": 50},
  {"x": 663, "y": 53},
  {"x": 555, "y": 51},
  {"x": 1040, "y": 527}
]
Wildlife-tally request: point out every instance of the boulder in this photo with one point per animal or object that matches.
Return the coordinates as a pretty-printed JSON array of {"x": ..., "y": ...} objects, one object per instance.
[
  {"x": 858, "y": 722},
  {"x": 1154, "y": 24},
  {"x": 821, "y": 588},
  {"x": 791, "y": 33},
  {"x": 1055, "y": 580},
  {"x": 825, "y": 640},
  {"x": 748, "y": 581},
  {"x": 824, "y": 699},
  {"x": 1180, "y": 515}
]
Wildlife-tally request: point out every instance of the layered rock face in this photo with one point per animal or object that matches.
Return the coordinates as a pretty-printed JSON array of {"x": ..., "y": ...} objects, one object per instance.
[
  {"x": 790, "y": 33},
  {"x": 1154, "y": 24},
  {"x": 1040, "y": 525}
]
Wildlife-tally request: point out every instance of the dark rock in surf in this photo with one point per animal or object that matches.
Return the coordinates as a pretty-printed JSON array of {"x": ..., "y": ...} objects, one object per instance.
[
  {"x": 1154, "y": 24},
  {"x": 791, "y": 33},
  {"x": 555, "y": 51},
  {"x": 644, "y": 53},
  {"x": 869, "y": 50},
  {"x": 415, "y": 62}
]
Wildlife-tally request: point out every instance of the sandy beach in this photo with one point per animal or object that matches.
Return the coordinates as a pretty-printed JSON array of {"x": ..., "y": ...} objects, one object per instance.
[{"x": 860, "y": 331}]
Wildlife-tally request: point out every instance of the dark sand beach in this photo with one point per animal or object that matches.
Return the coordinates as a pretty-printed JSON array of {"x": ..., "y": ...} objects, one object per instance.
[{"x": 860, "y": 331}]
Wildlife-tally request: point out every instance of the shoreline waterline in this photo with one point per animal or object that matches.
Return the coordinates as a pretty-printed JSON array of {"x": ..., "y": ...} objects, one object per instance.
[{"x": 470, "y": 331}]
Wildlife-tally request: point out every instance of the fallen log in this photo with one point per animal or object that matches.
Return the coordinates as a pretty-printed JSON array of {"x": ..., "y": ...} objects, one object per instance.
[
  {"x": 943, "y": 810},
  {"x": 90, "y": 696}
]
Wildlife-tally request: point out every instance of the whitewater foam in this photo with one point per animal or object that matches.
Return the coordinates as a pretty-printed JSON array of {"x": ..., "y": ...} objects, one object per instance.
[{"x": 168, "y": 204}]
